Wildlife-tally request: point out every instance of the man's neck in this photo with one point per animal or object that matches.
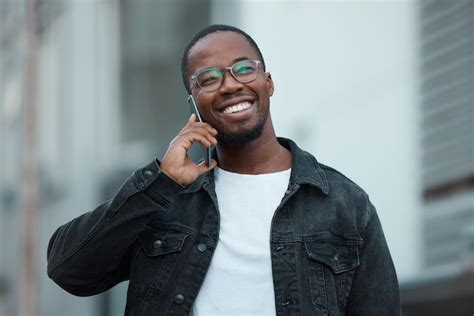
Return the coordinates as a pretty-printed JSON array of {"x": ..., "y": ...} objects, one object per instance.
[{"x": 262, "y": 155}]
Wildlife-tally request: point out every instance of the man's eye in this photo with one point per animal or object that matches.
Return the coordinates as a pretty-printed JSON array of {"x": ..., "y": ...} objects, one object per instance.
[
  {"x": 208, "y": 77},
  {"x": 244, "y": 70},
  {"x": 208, "y": 81}
]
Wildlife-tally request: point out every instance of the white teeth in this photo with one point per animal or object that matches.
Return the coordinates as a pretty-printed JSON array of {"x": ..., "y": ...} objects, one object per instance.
[{"x": 237, "y": 108}]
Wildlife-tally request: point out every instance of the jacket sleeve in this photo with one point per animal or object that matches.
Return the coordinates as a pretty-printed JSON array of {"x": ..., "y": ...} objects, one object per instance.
[
  {"x": 93, "y": 252},
  {"x": 375, "y": 285}
]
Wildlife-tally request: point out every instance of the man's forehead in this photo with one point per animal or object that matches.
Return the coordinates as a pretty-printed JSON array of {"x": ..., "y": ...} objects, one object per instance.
[{"x": 220, "y": 47}]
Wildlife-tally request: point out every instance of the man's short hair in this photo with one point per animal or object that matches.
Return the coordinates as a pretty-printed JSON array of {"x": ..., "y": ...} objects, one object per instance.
[{"x": 214, "y": 28}]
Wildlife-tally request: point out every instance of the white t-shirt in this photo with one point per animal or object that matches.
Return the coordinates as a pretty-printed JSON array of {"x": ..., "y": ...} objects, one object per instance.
[{"x": 239, "y": 280}]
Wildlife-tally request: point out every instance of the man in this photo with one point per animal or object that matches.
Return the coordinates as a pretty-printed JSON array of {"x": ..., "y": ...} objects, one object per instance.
[{"x": 263, "y": 230}]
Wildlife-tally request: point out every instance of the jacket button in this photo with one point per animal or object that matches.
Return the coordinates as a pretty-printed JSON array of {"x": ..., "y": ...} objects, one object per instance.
[
  {"x": 157, "y": 244},
  {"x": 179, "y": 299},
  {"x": 148, "y": 173},
  {"x": 202, "y": 247}
]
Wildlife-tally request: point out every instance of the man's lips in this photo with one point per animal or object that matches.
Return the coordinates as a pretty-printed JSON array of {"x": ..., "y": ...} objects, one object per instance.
[{"x": 238, "y": 112}]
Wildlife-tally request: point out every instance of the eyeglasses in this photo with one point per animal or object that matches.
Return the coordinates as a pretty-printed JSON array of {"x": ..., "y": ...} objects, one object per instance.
[{"x": 211, "y": 79}]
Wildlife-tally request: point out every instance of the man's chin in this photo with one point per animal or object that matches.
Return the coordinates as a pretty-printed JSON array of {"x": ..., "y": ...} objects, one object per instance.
[{"x": 241, "y": 138}]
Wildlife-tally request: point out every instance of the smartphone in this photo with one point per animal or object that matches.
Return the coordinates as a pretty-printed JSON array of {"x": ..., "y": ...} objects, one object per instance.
[{"x": 206, "y": 152}]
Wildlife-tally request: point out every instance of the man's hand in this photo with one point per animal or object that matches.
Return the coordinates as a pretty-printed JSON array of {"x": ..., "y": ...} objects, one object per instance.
[{"x": 176, "y": 163}]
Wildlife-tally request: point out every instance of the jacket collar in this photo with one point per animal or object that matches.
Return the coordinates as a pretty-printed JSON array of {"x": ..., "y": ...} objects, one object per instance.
[{"x": 305, "y": 169}]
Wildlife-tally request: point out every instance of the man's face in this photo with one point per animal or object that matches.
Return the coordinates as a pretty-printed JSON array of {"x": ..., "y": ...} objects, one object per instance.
[{"x": 223, "y": 49}]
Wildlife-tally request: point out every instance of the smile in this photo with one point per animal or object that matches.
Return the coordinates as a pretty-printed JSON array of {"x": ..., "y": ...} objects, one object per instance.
[{"x": 237, "y": 107}]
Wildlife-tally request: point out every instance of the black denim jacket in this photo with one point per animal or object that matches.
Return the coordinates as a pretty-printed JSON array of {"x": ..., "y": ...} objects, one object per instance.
[{"x": 329, "y": 254}]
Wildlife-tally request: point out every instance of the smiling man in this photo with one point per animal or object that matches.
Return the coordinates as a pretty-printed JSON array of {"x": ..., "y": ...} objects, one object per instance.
[{"x": 265, "y": 229}]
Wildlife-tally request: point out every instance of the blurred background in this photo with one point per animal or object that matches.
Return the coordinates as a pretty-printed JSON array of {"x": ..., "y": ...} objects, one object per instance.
[{"x": 383, "y": 91}]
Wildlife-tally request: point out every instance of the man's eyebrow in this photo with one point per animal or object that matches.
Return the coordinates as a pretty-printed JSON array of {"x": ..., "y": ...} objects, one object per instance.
[
  {"x": 233, "y": 62},
  {"x": 241, "y": 58}
]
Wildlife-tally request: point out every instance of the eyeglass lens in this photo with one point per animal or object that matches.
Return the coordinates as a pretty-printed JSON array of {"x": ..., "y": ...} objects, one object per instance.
[{"x": 243, "y": 71}]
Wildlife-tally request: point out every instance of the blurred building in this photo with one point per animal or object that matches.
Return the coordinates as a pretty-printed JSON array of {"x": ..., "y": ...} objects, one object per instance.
[
  {"x": 446, "y": 285},
  {"x": 110, "y": 97}
]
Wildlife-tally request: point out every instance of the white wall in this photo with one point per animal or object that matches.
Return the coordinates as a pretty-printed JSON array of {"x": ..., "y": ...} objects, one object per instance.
[{"x": 346, "y": 90}]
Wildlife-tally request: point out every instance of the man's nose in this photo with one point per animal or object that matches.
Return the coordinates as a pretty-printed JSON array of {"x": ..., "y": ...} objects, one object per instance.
[{"x": 229, "y": 83}]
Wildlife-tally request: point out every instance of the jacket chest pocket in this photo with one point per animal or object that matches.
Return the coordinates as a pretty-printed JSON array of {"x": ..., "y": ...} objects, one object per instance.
[
  {"x": 332, "y": 263},
  {"x": 160, "y": 251},
  {"x": 161, "y": 242}
]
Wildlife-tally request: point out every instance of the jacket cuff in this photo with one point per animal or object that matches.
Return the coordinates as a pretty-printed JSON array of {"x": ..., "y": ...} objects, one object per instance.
[{"x": 158, "y": 185}]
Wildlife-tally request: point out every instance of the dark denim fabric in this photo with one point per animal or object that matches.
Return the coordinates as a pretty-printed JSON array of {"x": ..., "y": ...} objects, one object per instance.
[{"x": 329, "y": 255}]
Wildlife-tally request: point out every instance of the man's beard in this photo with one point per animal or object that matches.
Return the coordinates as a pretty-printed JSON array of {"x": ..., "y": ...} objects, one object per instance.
[{"x": 242, "y": 137}]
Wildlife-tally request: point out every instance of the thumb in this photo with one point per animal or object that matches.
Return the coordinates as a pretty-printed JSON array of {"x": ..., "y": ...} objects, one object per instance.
[{"x": 204, "y": 168}]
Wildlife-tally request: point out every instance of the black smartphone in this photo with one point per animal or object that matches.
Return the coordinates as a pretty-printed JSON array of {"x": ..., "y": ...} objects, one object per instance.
[{"x": 206, "y": 152}]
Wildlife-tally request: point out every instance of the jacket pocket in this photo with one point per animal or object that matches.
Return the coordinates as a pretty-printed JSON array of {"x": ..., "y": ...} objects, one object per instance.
[
  {"x": 160, "y": 251},
  {"x": 332, "y": 262},
  {"x": 160, "y": 241}
]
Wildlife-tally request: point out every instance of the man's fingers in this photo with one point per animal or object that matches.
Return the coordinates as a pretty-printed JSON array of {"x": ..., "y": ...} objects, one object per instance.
[
  {"x": 192, "y": 118},
  {"x": 213, "y": 164},
  {"x": 187, "y": 139},
  {"x": 203, "y": 168},
  {"x": 192, "y": 132},
  {"x": 176, "y": 162},
  {"x": 194, "y": 123},
  {"x": 199, "y": 126}
]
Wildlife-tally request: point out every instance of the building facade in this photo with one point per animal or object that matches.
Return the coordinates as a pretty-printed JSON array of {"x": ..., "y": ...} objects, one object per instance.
[
  {"x": 447, "y": 105},
  {"x": 110, "y": 97}
]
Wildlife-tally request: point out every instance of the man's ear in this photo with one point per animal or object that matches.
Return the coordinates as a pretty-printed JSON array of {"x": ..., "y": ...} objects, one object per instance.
[{"x": 270, "y": 86}]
